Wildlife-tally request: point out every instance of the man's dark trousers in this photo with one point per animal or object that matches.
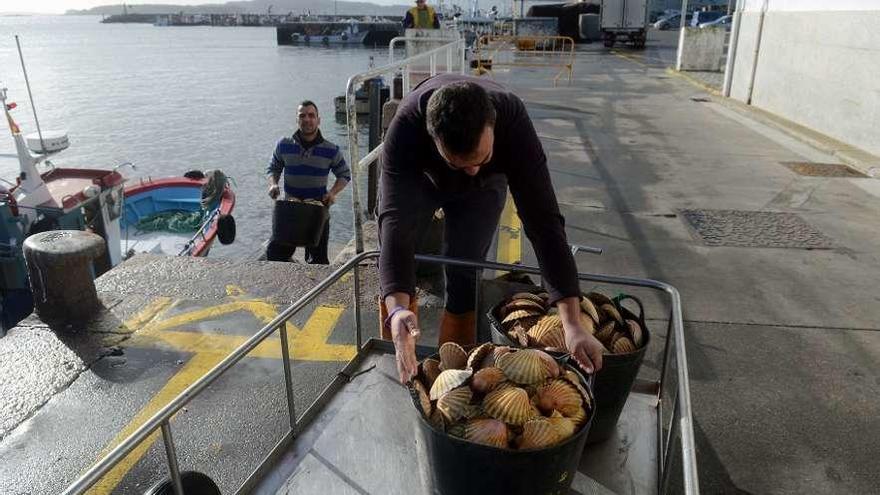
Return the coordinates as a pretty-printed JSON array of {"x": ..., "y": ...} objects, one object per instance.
[{"x": 317, "y": 255}]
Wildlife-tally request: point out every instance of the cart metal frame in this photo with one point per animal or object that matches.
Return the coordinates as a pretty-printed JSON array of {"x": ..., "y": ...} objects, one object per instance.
[{"x": 674, "y": 433}]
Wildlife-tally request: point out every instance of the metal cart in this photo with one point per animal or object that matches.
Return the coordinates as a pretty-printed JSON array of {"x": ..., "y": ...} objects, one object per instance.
[{"x": 348, "y": 428}]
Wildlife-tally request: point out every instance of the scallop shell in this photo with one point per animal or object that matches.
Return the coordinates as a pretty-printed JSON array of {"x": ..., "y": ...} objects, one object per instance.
[
  {"x": 430, "y": 371},
  {"x": 548, "y": 332},
  {"x": 424, "y": 400},
  {"x": 635, "y": 331},
  {"x": 525, "y": 367},
  {"x": 605, "y": 332},
  {"x": 623, "y": 346},
  {"x": 538, "y": 433},
  {"x": 487, "y": 432},
  {"x": 550, "y": 365},
  {"x": 610, "y": 311},
  {"x": 456, "y": 430},
  {"x": 598, "y": 299},
  {"x": 558, "y": 395},
  {"x": 498, "y": 352},
  {"x": 452, "y": 357},
  {"x": 476, "y": 357},
  {"x": 518, "y": 315},
  {"x": 455, "y": 404},
  {"x": 518, "y": 335},
  {"x": 579, "y": 417},
  {"x": 589, "y": 308},
  {"x": 522, "y": 304},
  {"x": 448, "y": 380},
  {"x": 437, "y": 420},
  {"x": 509, "y": 404},
  {"x": 565, "y": 427},
  {"x": 529, "y": 296},
  {"x": 487, "y": 379},
  {"x": 575, "y": 380}
]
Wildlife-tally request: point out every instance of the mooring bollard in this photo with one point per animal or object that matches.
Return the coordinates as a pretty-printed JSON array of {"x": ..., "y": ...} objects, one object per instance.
[{"x": 59, "y": 264}]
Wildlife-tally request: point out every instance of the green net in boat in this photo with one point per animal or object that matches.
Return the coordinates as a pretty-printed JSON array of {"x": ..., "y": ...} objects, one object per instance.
[{"x": 178, "y": 222}]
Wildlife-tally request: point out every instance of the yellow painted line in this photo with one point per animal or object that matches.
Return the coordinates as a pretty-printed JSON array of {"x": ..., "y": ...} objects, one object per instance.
[
  {"x": 195, "y": 368},
  {"x": 264, "y": 311},
  {"x": 509, "y": 249},
  {"x": 209, "y": 349},
  {"x": 308, "y": 344},
  {"x": 629, "y": 57},
  {"x": 149, "y": 313},
  {"x": 696, "y": 82}
]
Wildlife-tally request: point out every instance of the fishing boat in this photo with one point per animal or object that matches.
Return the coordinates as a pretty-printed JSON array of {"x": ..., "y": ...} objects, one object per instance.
[{"x": 97, "y": 200}]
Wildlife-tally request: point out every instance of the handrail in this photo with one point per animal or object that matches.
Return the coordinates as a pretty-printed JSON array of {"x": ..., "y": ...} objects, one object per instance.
[
  {"x": 455, "y": 48},
  {"x": 163, "y": 416}
]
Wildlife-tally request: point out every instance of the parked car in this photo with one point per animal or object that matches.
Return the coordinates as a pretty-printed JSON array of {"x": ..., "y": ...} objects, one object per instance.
[
  {"x": 701, "y": 17},
  {"x": 721, "y": 21},
  {"x": 671, "y": 22}
]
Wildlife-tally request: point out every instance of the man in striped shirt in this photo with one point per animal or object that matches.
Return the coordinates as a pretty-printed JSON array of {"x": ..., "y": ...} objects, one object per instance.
[{"x": 305, "y": 159}]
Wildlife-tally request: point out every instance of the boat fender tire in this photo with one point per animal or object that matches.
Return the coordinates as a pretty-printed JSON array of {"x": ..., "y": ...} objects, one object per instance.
[
  {"x": 194, "y": 174},
  {"x": 325, "y": 40},
  {"x": 194, "y": 483},
  {"x": 226, "y": 229}
]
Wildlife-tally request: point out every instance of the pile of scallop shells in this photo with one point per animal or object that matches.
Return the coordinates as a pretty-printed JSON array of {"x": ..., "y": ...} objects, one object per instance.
[
  {"x": 529, "y": 321},
  {"x": 501, "y": 396}
]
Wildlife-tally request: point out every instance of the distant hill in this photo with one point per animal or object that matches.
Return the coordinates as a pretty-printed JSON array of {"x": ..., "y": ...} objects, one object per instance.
[{"x": 252, "y": 7}]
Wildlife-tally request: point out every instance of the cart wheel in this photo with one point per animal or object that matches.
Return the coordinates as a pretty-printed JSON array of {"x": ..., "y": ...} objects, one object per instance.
[
  {"x": 609, "y": 40},
  {"x": 194, "y": 483},
  {"x": 226, "y": 229}
]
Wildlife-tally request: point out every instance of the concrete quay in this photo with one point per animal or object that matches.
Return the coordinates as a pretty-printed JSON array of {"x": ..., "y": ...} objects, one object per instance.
[{"x": 778, "y": 293}]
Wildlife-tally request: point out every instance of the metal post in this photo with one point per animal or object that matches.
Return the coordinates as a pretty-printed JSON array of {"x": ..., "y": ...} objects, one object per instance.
[
  {"x": 732, "y": 49},
  {"x": 374, "y": 90},
  {"x": 171, "y": 454},
  {"x": 358, "y": 333},
  {"x": 682, "y": 25},
  {"x": 757, "y": 53},
  {"x": 288, "y": 378}
]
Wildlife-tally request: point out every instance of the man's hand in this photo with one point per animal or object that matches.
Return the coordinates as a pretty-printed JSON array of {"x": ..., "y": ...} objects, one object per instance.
[
  {"x": 274, "y": 191},
  {"x": 404, "y": 331},
  {"x": 329, "y": 198},
  {"x": 586, "y": 349}
]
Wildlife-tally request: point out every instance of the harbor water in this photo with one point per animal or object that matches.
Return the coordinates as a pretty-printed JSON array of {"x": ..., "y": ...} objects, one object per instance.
[{"x": 172, "y": 99}]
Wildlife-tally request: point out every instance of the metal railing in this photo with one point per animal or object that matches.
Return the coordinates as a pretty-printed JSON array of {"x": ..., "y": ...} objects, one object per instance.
[
  {"x": 526, "y": 51},
  {"x": 454, "y": 55},
  {"x": 673, "y": 392}
]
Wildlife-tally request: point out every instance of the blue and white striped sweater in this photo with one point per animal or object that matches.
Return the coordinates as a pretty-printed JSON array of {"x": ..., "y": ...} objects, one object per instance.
[{"x": 305, "y": 168}]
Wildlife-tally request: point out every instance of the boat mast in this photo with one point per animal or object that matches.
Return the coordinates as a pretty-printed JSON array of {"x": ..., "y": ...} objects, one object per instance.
[{"x": 30, "y": 95}]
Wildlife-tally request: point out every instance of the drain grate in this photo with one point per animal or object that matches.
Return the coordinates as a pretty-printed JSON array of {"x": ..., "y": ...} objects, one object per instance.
[
  {"x": 700, "y": 99},
  {"x": 755, "y": 229},
  {"x": 811, "y": 169}
]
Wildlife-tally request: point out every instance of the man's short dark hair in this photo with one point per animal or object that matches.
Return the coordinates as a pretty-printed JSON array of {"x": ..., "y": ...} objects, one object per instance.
[
  {"x": 309, "y": 103},
  {"x": 457, "y": 114}
]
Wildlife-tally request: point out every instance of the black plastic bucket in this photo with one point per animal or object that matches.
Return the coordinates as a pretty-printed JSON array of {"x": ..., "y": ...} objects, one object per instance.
[
  {"x": 459, "y": 467},
  {"x": 613, "y": 382},
  {"x": 298, "y": 224}
]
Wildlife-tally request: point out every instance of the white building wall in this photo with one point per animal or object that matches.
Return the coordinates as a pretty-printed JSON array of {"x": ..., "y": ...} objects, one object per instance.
[{"x": 818, "y": 65}]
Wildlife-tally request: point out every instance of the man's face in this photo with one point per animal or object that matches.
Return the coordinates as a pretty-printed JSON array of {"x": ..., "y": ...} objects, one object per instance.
[
  {"x": 307, "y": 119},
  {"x": 420, "y": 4},
  {"x": 471, "y": 163}
]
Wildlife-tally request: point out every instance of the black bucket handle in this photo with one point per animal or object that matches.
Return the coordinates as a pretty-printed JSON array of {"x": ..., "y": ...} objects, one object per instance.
[{"x": 618, "y": 301}]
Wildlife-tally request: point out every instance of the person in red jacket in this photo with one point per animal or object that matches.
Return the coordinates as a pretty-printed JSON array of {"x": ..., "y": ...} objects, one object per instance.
[{"x": 458, "y": 142}]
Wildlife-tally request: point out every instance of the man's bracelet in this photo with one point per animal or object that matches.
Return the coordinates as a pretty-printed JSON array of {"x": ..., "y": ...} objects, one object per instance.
[{"x": 390, "y": 314}]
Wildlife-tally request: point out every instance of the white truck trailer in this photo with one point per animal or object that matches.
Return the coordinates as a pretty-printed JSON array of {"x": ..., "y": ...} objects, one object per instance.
[{"x": 624, "y": 20}]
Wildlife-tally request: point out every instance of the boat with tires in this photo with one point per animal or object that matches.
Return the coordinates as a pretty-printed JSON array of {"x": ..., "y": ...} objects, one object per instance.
[{"x": 180, "y": 216}]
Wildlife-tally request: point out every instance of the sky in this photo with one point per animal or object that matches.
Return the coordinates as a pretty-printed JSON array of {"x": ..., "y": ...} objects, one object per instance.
[{"x": 61, "y": 6}]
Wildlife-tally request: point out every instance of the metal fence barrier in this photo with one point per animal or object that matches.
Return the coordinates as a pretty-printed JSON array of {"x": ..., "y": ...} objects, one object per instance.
[
  {"x": 556, "y": 52},
  {"x": 674, "y": 419}
]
